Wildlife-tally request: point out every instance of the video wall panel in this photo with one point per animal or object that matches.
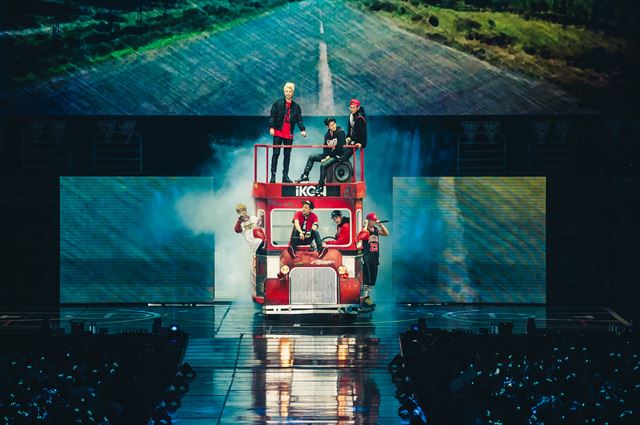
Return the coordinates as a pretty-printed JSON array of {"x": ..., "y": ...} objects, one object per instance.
[
  {"x": 132, "y": 239},
  {"x": 469, "y": 239}
]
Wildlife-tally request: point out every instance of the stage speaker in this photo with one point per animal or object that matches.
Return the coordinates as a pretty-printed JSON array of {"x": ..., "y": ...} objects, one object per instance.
[{"x": 342, "y": 172}]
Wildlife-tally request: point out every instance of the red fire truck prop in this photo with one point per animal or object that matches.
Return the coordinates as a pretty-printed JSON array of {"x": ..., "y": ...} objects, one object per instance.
[{"x": 304, "y": 281}]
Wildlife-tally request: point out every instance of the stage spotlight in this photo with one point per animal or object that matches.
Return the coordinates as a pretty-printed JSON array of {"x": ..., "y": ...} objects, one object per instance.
[
  {"x": 187, "y": 371},
  {"x": 174, "y": 328},
  {"x": 415, "y": 328}
]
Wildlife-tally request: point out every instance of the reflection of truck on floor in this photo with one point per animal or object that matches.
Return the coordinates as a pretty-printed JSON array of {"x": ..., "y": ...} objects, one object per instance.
[
  {"x": 310, "y": 378},
  {"x": 305, "y": 281}
]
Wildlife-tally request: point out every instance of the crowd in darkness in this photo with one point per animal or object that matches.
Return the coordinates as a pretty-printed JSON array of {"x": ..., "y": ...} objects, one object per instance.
[
  {"x": 456, "y": 377},
  {"x": 86, "y": 378},
  {"x": 57, "y": 387}
]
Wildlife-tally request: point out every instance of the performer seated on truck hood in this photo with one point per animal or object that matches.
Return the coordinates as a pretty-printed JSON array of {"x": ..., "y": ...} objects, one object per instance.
[{"x": 305, "y": 227}]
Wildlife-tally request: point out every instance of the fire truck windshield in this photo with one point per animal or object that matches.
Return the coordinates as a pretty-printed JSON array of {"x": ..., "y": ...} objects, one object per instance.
[{"x": 282, "y": 224}]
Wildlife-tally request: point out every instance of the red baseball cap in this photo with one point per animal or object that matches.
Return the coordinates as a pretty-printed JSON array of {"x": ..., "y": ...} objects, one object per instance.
[
  {"x": 372, "y": 216},
  {"x": 354, "y": 102}
]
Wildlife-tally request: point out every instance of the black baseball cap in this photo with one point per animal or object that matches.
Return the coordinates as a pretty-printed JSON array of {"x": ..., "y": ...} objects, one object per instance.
[{"x": 336, "y": 213}]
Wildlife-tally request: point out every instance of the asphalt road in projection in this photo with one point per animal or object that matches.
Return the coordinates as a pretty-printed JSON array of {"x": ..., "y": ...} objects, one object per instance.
[{"x": 330, "y": 50}]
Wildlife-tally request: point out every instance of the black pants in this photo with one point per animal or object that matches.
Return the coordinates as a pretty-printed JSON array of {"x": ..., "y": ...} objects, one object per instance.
[
  {"x": 348, "y": 153},
  {"x": 296, "y": 241},
  {"x": 323, "y": 167},
  {"x": 370, "y": 272},
  {"x": 276, "y": 154}
]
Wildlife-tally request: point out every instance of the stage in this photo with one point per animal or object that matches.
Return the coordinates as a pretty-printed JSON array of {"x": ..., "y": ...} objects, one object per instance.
[{"x": 301, "y": 370}]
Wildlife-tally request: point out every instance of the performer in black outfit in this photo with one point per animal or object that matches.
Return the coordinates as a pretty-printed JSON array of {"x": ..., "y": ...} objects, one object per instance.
[
  {"x": 357, "y": 128},
  {"x": 334, "y": 139},
  {"x": 285, "y": 114},
  {"x": 370, "y": 244}
]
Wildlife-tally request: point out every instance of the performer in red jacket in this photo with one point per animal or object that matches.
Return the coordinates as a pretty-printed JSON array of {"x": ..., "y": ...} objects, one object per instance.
[{"x": 342, "y": 229}]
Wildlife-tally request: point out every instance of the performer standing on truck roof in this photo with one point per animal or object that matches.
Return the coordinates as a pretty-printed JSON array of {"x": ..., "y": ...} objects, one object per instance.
[
  {"x": 285, "y": 115},
  {"x": 356, "y": 129}
]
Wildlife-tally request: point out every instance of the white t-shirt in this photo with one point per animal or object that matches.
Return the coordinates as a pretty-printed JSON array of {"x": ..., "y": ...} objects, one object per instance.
[{"x": 247, "y": 232}]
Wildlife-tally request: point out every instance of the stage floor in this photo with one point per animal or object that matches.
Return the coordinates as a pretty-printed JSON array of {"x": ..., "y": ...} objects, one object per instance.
[{"x": 301, "y": 370}]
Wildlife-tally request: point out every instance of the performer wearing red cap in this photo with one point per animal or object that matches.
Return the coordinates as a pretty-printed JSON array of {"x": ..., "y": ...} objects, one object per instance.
[
  {"x": 342, "y": 231},
  {"x": 305, "y": 227},
  {"x": 357, "y": 129},
  {"x": 370, "y": 244}
]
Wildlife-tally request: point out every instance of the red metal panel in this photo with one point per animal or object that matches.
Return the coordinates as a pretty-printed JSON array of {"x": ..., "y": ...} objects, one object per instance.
[
  {"x": 349, "y": 291},
  {"x": 276, "y": 291}
]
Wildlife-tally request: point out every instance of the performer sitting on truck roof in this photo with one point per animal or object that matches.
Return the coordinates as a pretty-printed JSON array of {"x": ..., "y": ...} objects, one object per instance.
[
  {"x": 334, "y": 139},
  {"x": 305, "y": 227}
]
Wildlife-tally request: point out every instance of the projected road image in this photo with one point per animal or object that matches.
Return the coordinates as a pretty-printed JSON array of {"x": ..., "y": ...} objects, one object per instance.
[
  {"x": 135, "y": 239},
  {"x": 469, "y": 239},
  {"x": 199, "y": 59}
]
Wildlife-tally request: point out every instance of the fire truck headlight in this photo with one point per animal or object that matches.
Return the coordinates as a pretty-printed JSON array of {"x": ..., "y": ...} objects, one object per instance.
[
  {"x": 342, "y": 270},
  {"x": 284, "y": 269}
]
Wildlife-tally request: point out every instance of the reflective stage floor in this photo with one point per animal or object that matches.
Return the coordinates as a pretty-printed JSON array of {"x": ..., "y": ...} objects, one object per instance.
[{"x": 301, "y": 370}]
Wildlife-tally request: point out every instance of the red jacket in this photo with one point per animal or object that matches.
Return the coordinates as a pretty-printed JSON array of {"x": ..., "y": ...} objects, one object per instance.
[
  {"x": 342, "y": 235},
  {"x": 306, "y": 222}
]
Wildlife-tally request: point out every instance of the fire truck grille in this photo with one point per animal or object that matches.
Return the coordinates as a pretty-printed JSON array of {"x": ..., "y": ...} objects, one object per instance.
[{"x": 313, "y": 285}]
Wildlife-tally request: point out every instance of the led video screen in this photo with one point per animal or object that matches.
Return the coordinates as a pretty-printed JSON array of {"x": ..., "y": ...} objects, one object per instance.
[
  {"x": 469, "y": 239},
  {"x": 135, "y": 239},
  {"x": 400, "y": 57}
]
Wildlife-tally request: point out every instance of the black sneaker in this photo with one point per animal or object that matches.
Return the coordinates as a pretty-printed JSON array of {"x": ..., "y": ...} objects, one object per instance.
[
  {"x": 303, "y": 178},
  {"x": 286, "y": 179},
  {"x": 367, "y": 308},
  {"x": 273, "y": 178}
]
